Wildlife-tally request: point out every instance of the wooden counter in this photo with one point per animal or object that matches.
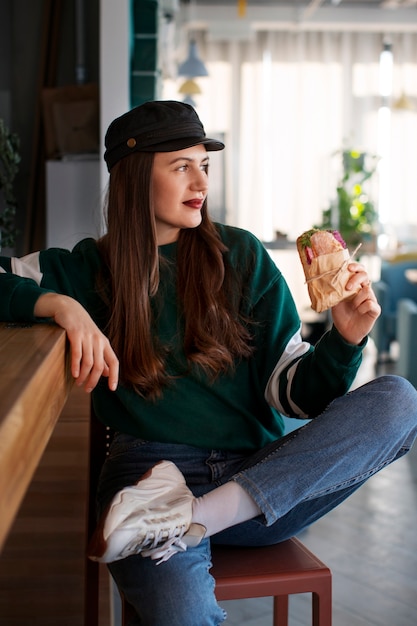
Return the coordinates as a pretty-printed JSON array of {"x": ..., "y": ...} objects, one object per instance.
[{"x": 34, "y": 384}]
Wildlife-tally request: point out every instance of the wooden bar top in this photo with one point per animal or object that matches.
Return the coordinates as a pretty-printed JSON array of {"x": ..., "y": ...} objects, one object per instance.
[{"x": 35, "y": 380}]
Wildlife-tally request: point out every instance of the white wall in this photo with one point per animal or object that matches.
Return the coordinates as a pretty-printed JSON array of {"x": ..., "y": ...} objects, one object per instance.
[
  {"x": 73, "y": 201},
  {"x": 114, "y": 66}
]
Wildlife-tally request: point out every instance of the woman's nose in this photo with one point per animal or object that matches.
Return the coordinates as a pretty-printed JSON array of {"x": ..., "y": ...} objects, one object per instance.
[{"x": 200, "y": 181}]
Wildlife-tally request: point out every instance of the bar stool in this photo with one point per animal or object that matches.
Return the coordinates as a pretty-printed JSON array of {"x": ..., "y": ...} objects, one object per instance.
[{"x": 279, "y": 571}]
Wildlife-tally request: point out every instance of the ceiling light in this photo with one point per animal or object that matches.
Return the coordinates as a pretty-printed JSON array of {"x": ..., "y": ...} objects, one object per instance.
[
  {"x": 193, "y": 65},
  {"x": 190, "y": 87},
  {"x": 403, "y": 104}
]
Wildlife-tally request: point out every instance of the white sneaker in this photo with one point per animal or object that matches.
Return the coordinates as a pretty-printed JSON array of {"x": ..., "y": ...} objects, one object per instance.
[{"x": 152, "y": 517}]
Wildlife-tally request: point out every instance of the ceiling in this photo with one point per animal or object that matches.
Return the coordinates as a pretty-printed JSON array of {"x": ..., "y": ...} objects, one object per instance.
[
  {"x": 302, "y": 4},
  {"x": 269, "y": 14}
]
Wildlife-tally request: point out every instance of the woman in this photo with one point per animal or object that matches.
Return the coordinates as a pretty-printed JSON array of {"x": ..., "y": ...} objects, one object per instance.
[{"x": 208, "y": 341}]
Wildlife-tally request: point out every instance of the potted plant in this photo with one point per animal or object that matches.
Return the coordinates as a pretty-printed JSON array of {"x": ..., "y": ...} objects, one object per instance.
[
  {"x": 352, "y": 212},
  {"x": 9, "y": 165}
]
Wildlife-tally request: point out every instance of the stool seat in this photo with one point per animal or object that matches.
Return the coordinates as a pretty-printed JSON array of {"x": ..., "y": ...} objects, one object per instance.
[{"x": 280, "y": 570}]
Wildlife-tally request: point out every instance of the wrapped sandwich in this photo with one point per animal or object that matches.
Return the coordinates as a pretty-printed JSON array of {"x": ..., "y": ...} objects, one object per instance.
[{"x": 325, "y": 257}]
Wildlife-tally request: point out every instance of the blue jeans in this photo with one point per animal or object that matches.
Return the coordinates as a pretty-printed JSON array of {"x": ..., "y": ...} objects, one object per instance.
[{"x": 294, "y": 481}]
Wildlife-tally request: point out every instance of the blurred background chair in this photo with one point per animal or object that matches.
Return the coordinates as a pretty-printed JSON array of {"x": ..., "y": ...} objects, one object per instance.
[
  {"x": 407, "y": 340},
  {"x": 392, "y": 286}
]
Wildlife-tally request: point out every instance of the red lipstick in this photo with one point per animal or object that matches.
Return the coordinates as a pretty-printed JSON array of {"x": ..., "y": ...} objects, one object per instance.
[{"x": 197, "y": 203}]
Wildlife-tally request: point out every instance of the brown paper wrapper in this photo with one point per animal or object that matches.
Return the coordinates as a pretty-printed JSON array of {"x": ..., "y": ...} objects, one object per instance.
[{"x": 326, "y": 278}]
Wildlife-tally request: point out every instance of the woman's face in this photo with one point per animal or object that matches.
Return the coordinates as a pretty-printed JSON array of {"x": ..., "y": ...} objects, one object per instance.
[{"x": 179, "y": 185}]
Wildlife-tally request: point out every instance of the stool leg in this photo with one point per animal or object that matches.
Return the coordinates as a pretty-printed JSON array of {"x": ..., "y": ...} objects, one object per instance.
[
  {"x": 322, "y": 608},
  {"x": 128, "y": 612},
  {"x": 280, "y": 611},
  {"x": 91, "y": 593}
]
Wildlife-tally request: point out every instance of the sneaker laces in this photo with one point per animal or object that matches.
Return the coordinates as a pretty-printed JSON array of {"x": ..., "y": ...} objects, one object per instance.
[
  {"x": 163, "y": 546},
  {"x": 153, "y": 544}
]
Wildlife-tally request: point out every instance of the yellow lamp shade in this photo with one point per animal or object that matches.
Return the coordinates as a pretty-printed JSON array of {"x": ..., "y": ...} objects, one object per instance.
[{"x": 190, "y": 87}]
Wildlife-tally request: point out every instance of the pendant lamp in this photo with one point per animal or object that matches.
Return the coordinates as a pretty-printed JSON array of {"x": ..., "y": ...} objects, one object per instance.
[
  {"x": 403, "y": 104},
  {"x": 241, "y": 8},
  {"x": 190, "y": 89},
  {"x": 193, "y": 65}
]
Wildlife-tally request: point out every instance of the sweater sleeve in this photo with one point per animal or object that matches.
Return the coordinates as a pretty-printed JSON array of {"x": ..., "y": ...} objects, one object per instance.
[
  {"x": 305, "y": 387},
  {"x": 298, "y": 379},
  {"x": 295, "y": 378},
  {"x": 18, "y": 294},
  {"x": 305, "y": 379},
  {"x": 24, "y": 280}
]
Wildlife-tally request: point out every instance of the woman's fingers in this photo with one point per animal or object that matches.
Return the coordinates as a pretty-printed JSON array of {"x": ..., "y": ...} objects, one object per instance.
[
  {"x": 112, "y": 364},
  {"x": 91, "y": 353},
  {"x": 92, "y": 357}
]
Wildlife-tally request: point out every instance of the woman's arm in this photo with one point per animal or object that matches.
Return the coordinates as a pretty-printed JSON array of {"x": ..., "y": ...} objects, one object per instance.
[
  {"x": 58, "y": 284},
  {"x": 91, "y": 353}
]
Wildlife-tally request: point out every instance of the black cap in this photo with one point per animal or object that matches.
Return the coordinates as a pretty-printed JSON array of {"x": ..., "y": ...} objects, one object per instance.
[{"x": 156, "y": 126}]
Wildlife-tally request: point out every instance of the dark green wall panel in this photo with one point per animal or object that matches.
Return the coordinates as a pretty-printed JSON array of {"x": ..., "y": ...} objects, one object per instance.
[{"x": 144, "y": 73}]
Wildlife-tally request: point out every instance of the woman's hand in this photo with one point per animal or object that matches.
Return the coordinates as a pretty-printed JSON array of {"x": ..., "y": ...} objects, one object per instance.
[
  {"x": 91, "y": 353},
  {"x": 355, "y": 318}
]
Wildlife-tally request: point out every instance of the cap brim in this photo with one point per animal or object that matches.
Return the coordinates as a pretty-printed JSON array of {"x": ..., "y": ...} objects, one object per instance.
[
  {"x": 120, "y": 152},
  {"x": 211, "y": 145}
]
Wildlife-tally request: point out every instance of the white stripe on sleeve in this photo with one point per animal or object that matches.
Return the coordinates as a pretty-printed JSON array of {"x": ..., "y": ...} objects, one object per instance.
[
  {"x": 28, "y": 267},
  {"x": 295, "y": 348}
]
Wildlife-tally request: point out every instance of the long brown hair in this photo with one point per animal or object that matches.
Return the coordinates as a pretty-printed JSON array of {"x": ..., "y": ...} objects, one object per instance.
[{"x": 214, "y": 334}]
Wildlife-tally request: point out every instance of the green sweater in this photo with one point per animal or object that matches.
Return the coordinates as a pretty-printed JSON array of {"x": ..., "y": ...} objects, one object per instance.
[{"x": 240, "y": 411}]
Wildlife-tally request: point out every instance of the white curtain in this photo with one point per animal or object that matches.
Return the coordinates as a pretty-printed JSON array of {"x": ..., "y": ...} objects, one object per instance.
[{"x": 288, "y": 103}]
